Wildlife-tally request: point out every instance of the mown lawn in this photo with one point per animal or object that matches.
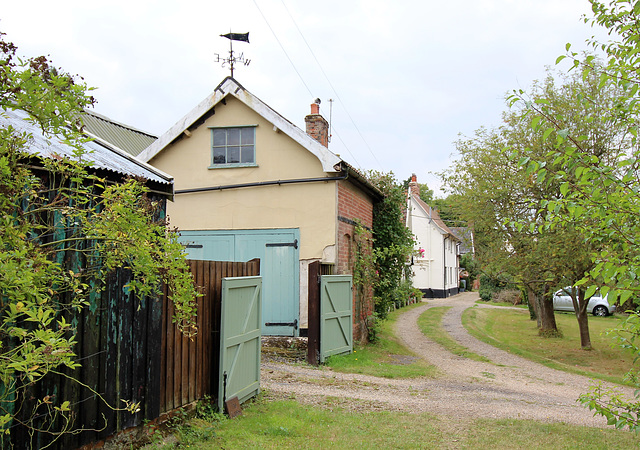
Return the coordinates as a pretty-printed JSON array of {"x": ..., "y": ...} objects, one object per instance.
[
  {"x": 512, "y": 330},
  {"x": 287, "y": 424}
]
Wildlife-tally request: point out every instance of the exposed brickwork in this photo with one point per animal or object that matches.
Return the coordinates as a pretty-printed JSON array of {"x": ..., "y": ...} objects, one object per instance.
[
  {"x": 316, "y": 125},
  {"x": 353, "y": 204}
]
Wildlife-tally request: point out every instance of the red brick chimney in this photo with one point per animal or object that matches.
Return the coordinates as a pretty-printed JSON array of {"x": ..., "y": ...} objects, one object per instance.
[
  {"x": 414, "y": 187},
  {"x": 317, "y": 126}
]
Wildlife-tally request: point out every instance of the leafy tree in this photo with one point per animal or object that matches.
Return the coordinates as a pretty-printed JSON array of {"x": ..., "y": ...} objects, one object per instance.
[
  {"x": 492, "y": 193},
  {"x": 600, "y": 194},
  {"x": 54, "y": 214},
  {"x": 507, "y": 203},
  {"x": 449, "y": 210}
]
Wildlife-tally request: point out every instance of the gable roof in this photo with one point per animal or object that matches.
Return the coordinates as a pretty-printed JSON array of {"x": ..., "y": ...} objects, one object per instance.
[
  {"x": 125, "y": 137},
  {"x": 98, "y": 154},
  {"x": 230, "y": 87},
  {"x": 432, "y": 213}
]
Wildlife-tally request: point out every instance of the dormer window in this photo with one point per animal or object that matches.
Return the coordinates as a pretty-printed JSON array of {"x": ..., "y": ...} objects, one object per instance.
[{"x": 233, "y": 147}]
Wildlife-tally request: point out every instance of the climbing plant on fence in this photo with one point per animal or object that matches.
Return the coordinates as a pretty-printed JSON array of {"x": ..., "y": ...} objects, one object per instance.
[{"x": 54, "y": 213}]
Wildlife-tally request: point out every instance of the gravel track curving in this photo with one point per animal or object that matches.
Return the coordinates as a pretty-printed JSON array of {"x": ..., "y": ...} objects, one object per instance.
[{"x": 508, "y": 387}]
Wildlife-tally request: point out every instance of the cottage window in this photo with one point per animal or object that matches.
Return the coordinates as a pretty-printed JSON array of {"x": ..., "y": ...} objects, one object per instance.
[{"x": 233, "y": 147}]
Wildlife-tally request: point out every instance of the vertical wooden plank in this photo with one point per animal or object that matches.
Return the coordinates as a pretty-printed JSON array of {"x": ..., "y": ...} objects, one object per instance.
[
  {"x": 313, "y": 344},
  {"x": 177, "y": 366},
  {"x": 184, "y": 367},
  {"x": 214, "y": 348},
  {"x": 192, "y": 345},
  {"x": 184, "y": 388},
  {"x": 109, "y": 327},
  {"x": 154, "y": 358},
  {"x": 125, "y": 362},
  {"x": 91, "y": 363},
  {"x": 210, "y": 366},
  {"x": 139, "y": 361},
  {"x": 202, "y": 331},
  {"x": 164, "y": 361}
]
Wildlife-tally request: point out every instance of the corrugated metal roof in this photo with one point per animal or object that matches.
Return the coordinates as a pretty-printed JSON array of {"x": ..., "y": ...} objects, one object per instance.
[
  {"x": 125, "y": 137},
  {"x": 99, "y": 155}
]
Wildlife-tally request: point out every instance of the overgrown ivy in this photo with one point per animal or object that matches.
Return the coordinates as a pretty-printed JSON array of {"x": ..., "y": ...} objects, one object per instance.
[{"x": 392, "y": 244}]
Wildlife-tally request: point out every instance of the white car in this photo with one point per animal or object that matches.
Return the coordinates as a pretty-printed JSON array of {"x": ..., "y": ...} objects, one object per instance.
[{"x": 597, "y": 305}]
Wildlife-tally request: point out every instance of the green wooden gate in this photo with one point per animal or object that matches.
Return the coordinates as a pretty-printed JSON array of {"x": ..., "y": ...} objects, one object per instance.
[
  {"x": 336, "y": 315},
  {"x": 241, "y": 321}
]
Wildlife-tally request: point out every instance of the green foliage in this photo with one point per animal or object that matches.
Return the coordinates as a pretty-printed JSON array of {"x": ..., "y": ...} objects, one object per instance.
[
  {"x": 489, "y": 286},
  {"x": 599, "y": 185},
  {"x": 507, "y": 180},
  {"x": 470, "y": 264},
  {"x": 392, "y": 241},
  {"x": 620, "y": 411},
  {"x": 62, "y": 231}
]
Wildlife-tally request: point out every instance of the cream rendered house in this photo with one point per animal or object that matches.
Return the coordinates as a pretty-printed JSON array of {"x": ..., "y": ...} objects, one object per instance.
[
  {"x": 436, "y": 266},
  {"x": 249, "y": 183}
]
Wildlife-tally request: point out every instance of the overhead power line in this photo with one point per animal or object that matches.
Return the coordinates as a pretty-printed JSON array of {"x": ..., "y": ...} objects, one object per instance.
[
  {"x": 331, "y": 85},
  {"x": 282, "y": 47}
]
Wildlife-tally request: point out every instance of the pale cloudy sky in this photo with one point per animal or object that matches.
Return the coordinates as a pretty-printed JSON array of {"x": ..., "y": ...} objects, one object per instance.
[{"x": 406, "y": 76}]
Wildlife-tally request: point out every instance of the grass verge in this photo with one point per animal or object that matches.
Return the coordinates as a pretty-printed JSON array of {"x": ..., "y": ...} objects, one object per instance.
[
  {"x": 286, "y": 424},
  {"x": 430, "y": 323},
  {"x": 512, "y": 330},
  {"x": 387, "y": 358}
]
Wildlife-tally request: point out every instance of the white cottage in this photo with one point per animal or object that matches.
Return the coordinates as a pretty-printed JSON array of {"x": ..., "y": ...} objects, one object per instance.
[{"x": 436, "y": 266}]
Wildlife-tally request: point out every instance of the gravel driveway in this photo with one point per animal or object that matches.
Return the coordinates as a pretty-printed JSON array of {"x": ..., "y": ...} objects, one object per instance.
[{"x": 508, "y": 387}]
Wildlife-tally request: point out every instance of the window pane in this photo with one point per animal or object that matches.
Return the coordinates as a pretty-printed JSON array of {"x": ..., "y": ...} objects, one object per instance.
[
  {"x": 219, "y": 156},
  {"x": 233, "y": 136},
  {"x": 247, "y": 155},
  {"x": 233, "y": 155},
  {"x": 219, "y": 137},
  {"x": 248, "y": 136}
]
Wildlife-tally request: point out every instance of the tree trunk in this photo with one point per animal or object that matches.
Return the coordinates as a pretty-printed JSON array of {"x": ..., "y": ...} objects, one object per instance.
[
  {"x": 583, "y": 325},
  {"x": 580, "y": 307},
  {"x": 548, "y": 325},
  {"x": 534, "y": 306}
]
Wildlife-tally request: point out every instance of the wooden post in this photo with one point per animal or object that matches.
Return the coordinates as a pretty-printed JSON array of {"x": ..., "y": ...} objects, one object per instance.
[{"x": 313, "y": 346}]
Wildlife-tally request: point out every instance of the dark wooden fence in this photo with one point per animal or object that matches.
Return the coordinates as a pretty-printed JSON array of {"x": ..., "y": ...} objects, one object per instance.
[
  {"x": 118, "y": 347},
  {"x": 190, "y": 367},
  {"x": 128, "y": 349}
]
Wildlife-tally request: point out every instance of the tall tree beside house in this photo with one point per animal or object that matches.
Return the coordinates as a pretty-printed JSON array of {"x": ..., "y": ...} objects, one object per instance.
[
  {"x": 392, "y": 242},
  {"x": 598, "y": 192},
  {"x": 507, "y": 205},
  {"x": 54, "y": 213}
]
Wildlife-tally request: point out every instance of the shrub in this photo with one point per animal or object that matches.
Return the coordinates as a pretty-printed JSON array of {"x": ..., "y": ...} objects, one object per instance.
[
  {"x": 512, "y": 296},
  {"x": 488, "y": 286}
]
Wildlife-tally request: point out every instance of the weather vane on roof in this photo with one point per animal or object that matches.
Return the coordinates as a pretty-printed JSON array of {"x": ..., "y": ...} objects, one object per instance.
[{"x": 231, "y": 60}]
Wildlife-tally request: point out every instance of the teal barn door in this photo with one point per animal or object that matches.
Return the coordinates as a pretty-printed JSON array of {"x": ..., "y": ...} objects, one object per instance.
[{"x": 279, "y": 254}]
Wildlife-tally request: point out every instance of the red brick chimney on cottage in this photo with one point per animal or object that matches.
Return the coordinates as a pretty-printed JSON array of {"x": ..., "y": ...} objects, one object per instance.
[
  {"x": 414, "y": 187},
  {"x": 317, "y": 126}
]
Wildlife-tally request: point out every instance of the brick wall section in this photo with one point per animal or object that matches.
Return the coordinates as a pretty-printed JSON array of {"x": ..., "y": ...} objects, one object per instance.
[
  {"x": 353, "y": 204},
  {"x": 317, "y": 127}
]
